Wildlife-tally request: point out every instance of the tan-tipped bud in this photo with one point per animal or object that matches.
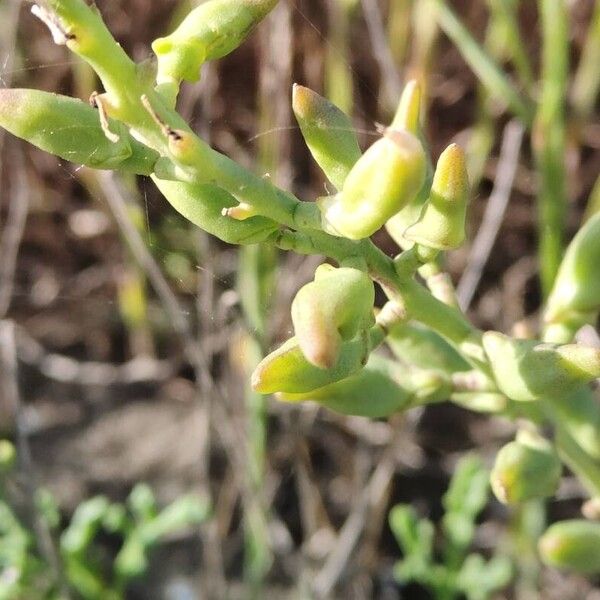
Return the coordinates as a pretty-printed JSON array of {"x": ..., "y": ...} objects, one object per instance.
[
  {"x": 335, "y": 307},
  {"x": 527, "y": 370},
  {"x": 442, "y": 223},
  {"x": 573, "y": 545},
  {"x": 328, "y": 132},
  {"x": 287, "y": 370},
  {"x": 72, "y": 129},
  {"x": 386, "y": 178},
  {"x": 525, "y": 469}
]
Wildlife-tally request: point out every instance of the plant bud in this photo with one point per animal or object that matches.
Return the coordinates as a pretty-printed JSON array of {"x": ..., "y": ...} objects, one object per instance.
[
  {"x": 328, "y": 133},
  {"x": 573, "y": 545},
  {"x": 409, "y": 109},
  {"x": 386, "y": 178},
  {"x": 422, "y": 347},
  {"x": 203, "y": 205},
  {"x": 71, "y": 129},
  {"x": 287, "y": 369},
  {"x": 334, "y": 307},
  {"x": 576, "y": 289},
  {"x": 210, "y": 31},
  {"x": 527, "y": 370},
  {"x": 525, "y": 469},
  {"x": 442, "y": 223},
  {"x": 372, "y": 392}
]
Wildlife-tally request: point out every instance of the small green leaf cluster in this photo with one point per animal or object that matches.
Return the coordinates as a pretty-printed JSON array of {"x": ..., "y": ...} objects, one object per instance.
[
  {"x": 89, "y": 571},
  {"x": 447, "y": 569}
]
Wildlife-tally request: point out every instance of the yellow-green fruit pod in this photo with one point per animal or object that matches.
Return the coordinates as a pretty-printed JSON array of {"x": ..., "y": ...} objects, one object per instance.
[
  {"x": 336, "y": 306},
  {"x": 328, "y": 133},
  {"x": 527, "y": 370},
  {"x": 576, "y": 289},
  {"x": 572, "y": 545},
  {"x": 372, "y": 392},
  {"x": 385, "y": 179},
  {"x": 70, "y": 129},
  {"x": 442, "y": 223},
  {"x": 422, "y": 347},
  {"x": 525, "y": 469},
  {"x": 579, "y": 414},
  {"x": 203, "y": 205},
  {"x": 210, "y": 31},
  {"x": 287, "y": 369}
]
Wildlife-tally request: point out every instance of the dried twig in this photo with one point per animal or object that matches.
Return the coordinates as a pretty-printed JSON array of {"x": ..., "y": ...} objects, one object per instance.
[
  {"x": 494, "y": 214},
  {"x": 13, "y": 234},
  {"x": 392, "y": 83}
]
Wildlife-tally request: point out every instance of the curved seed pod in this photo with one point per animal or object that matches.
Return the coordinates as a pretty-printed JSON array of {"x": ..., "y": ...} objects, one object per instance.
[
  {"x": 442, "y": 224},
  {"x": 525, "y": 469},
  {"x": 210, "y": 31},
  {"x": 576, "y": 289},
  {"x": 328, "y": 133},
  {"x": 385, "y": 179},
  {"x": 418, "y": 345},
  {"x": 203, "y": 205},
  {"x": 334, "y": 307},
  {"x": 573, "y": 545},
  {"x": 287, "y": 370},
  {"x": 527, "y": 370},
  {"x": 71, "y": 129},
  {"x": 372, "y": 392}
]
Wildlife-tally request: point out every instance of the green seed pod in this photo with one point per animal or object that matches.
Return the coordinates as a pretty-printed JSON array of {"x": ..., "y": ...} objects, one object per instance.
[
  {"x": 525, "y": 469},
  {"x": 372, "y": 392},
  {"x": 71, "y": 129},
  {"x": 527, "y": 370},
  {"x": 328, "y": 133},
  {"x": 573, "y": 545},
  {"x": 385, "y": 179},
  {"x": 576, "y": 289},
  {"x": 579, "y": 414},
  {"x": 442, "y": 223},
  {"x": 203, "y": 205},
  {"x": 287, "y": 370},
  {"x": 336, "y": 306},
  {"x": 210, "y": 31},
  {"x": 418, "y": 345}
]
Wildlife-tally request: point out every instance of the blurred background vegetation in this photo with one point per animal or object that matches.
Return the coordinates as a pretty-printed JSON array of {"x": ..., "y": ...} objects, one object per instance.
[{"x": 146, "y": 468}]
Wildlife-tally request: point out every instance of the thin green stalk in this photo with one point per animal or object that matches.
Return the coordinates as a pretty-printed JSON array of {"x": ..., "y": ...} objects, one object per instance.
[
  {"x": 587, "y": 77},
  {"x": 549, "y": 139},
  {"x": 498, "y": 84},
  {"x": 339, "y": 81},
  {"x": 504, "y": 12}
]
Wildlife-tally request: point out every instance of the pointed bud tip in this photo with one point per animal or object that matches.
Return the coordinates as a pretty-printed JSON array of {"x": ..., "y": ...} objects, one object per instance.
[
  {"x": 303, "y": 101},
  {"x": 409, "y": 109},
  {"x": 451, "y": 179}
]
